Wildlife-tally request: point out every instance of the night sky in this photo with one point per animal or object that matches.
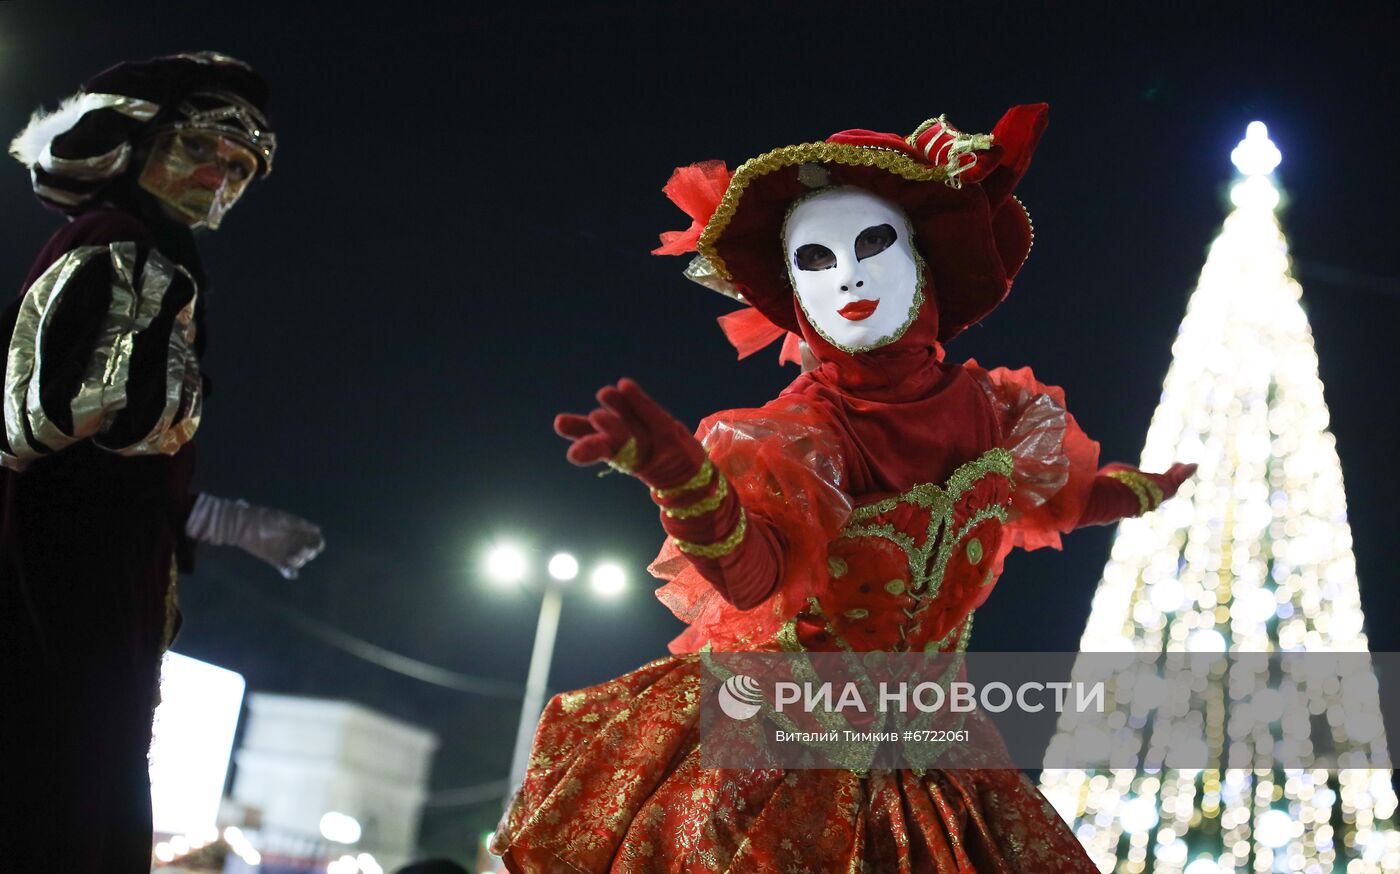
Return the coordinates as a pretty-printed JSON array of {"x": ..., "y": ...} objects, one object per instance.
[{"x": 454, "y": 247}]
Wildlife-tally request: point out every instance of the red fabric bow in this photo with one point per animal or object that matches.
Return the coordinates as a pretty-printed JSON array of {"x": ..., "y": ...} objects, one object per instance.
[
  {"x": 749, "y": 331},
  {"x": 697, "y": 190}
]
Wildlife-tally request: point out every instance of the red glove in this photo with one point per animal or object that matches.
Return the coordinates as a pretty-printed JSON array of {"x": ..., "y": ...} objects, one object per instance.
[
  {"x": 739, "y": 553},
  {"x": 1121, "y": 491},
  {"x": 663, "y": 453}
]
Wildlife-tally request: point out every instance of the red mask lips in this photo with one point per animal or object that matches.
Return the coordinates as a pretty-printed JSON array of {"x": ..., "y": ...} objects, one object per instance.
[
  {"x": 207, "y": 176},
  {"x": 858, "y": 310}
]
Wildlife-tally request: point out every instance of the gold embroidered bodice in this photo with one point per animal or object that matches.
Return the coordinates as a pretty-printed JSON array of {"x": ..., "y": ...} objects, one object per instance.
[{"x": 909, "y": 569}]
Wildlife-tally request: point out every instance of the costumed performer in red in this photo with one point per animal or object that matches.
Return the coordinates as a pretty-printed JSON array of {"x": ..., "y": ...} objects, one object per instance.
[{"x": 868, "y": 507}]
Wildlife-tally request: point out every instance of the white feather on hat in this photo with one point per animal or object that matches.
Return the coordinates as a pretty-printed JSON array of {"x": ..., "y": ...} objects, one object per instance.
[{"x": 31, "y": 145}]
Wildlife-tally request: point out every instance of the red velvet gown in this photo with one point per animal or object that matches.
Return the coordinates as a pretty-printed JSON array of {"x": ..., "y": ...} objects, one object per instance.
[{"x": 898, "y": 483}]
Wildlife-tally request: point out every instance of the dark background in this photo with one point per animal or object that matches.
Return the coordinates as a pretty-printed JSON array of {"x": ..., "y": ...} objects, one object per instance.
[{"x": 454, "y": 247}]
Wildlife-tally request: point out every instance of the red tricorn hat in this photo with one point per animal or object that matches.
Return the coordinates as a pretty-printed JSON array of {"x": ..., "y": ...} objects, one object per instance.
[{"x": 955, "y": 188}]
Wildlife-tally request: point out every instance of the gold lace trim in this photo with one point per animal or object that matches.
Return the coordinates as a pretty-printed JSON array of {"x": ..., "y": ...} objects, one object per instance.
[
  {"x": 172, "y": 605},
  {"x": 702, "y": 506},
  {"x": 946, "y": 552},
  {"x": 1029, "y": 223},
  {"x": 720, "y": 548},
  {"x": 928, "y": 563},
  {"x": 626, "y": 458},
  {"x": 889, "y": 160},
  {"x": 852, "y": 756},
  {"x": 923, "y": 756},
  {"x": 1149, "y": 494},
  {"x": 700, "y": 480}
]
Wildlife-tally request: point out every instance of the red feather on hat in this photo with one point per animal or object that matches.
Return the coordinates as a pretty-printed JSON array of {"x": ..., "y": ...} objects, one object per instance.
[{"x": 697, "y": 190}]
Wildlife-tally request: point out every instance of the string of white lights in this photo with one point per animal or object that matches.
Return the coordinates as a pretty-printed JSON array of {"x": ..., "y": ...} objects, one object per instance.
[{"x": 1253, "y": 555}]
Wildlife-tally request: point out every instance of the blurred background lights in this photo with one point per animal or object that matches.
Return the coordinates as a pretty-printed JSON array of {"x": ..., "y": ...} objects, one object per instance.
[
  {"x": 1255, "y": 193},
  {"x": 1254, "y": 606},
  {"x": 343, "y": 865},
  {"x": 505, "y": 563},
  {"x": 1274, "y": 828},
  {"x": 193, "y": 733},
  {"x": 1139, "y": 816},
  {"x": 1206, "y": 640},
  {"x": 563, "y": 567},
  {"x": 340, "y": 828},
  {"x": 608, "y": 579},
  {"x": 1256, "y": 155},
  {"x": 241, "y": 846},
  {"x": 1253, "y": 555},
  {"x": 1167, "y": 595},
  {"x": 368, "y": 864}
]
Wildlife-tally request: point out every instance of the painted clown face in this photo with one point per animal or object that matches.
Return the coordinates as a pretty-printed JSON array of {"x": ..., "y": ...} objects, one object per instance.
[
  {"x": 198, "y": 175},
  {"x": 852, "y": 263}
]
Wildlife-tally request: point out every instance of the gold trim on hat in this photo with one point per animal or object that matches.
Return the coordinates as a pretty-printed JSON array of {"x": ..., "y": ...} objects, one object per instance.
[{"x": 889, "y": 160}]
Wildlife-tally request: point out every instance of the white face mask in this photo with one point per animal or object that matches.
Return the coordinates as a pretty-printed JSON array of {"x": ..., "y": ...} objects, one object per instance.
[{"x": 852, "y": 263}]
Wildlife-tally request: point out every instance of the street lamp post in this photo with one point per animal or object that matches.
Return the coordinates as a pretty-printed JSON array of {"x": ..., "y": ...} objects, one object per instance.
[
  {"x": 507, "y": 564},
  {"x": 535, "y": 683}
]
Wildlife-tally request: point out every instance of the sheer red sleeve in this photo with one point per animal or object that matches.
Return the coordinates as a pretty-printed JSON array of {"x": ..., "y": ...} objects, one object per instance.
[
  {"x": 1055, "y": 460},
  {"x": 784, "y": 468},
  {"x": 1058, "y": 484}
]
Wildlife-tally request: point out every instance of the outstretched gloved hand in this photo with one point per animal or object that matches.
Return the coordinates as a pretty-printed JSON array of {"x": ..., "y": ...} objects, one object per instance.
[
  {"x": 1121, "y": 491},
  {"x": 634, "y": 434},
  {"x": 739, "y": 553},
  {"x": 285, "y": 541}
]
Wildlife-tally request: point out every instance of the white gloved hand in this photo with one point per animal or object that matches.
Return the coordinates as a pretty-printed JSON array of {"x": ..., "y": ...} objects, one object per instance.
[{"x": 282, "y": 540}]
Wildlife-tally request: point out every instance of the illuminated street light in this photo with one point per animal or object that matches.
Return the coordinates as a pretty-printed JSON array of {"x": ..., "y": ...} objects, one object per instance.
[
  {"x": 608, "y": 579},
  {"x": 563, "y": 567},
  {"x": 505, "y": 563}
]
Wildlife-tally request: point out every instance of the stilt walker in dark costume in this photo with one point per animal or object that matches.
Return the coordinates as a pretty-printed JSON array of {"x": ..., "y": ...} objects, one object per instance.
[{"x": 102, "y": 394}]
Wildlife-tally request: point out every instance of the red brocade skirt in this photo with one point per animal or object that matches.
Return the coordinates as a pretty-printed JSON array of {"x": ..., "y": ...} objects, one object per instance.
[{"x": 615, "y": 785}]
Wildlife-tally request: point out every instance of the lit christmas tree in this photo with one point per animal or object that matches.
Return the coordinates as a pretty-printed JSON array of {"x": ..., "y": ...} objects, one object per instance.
[{"x": 1253, "y": 555}]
